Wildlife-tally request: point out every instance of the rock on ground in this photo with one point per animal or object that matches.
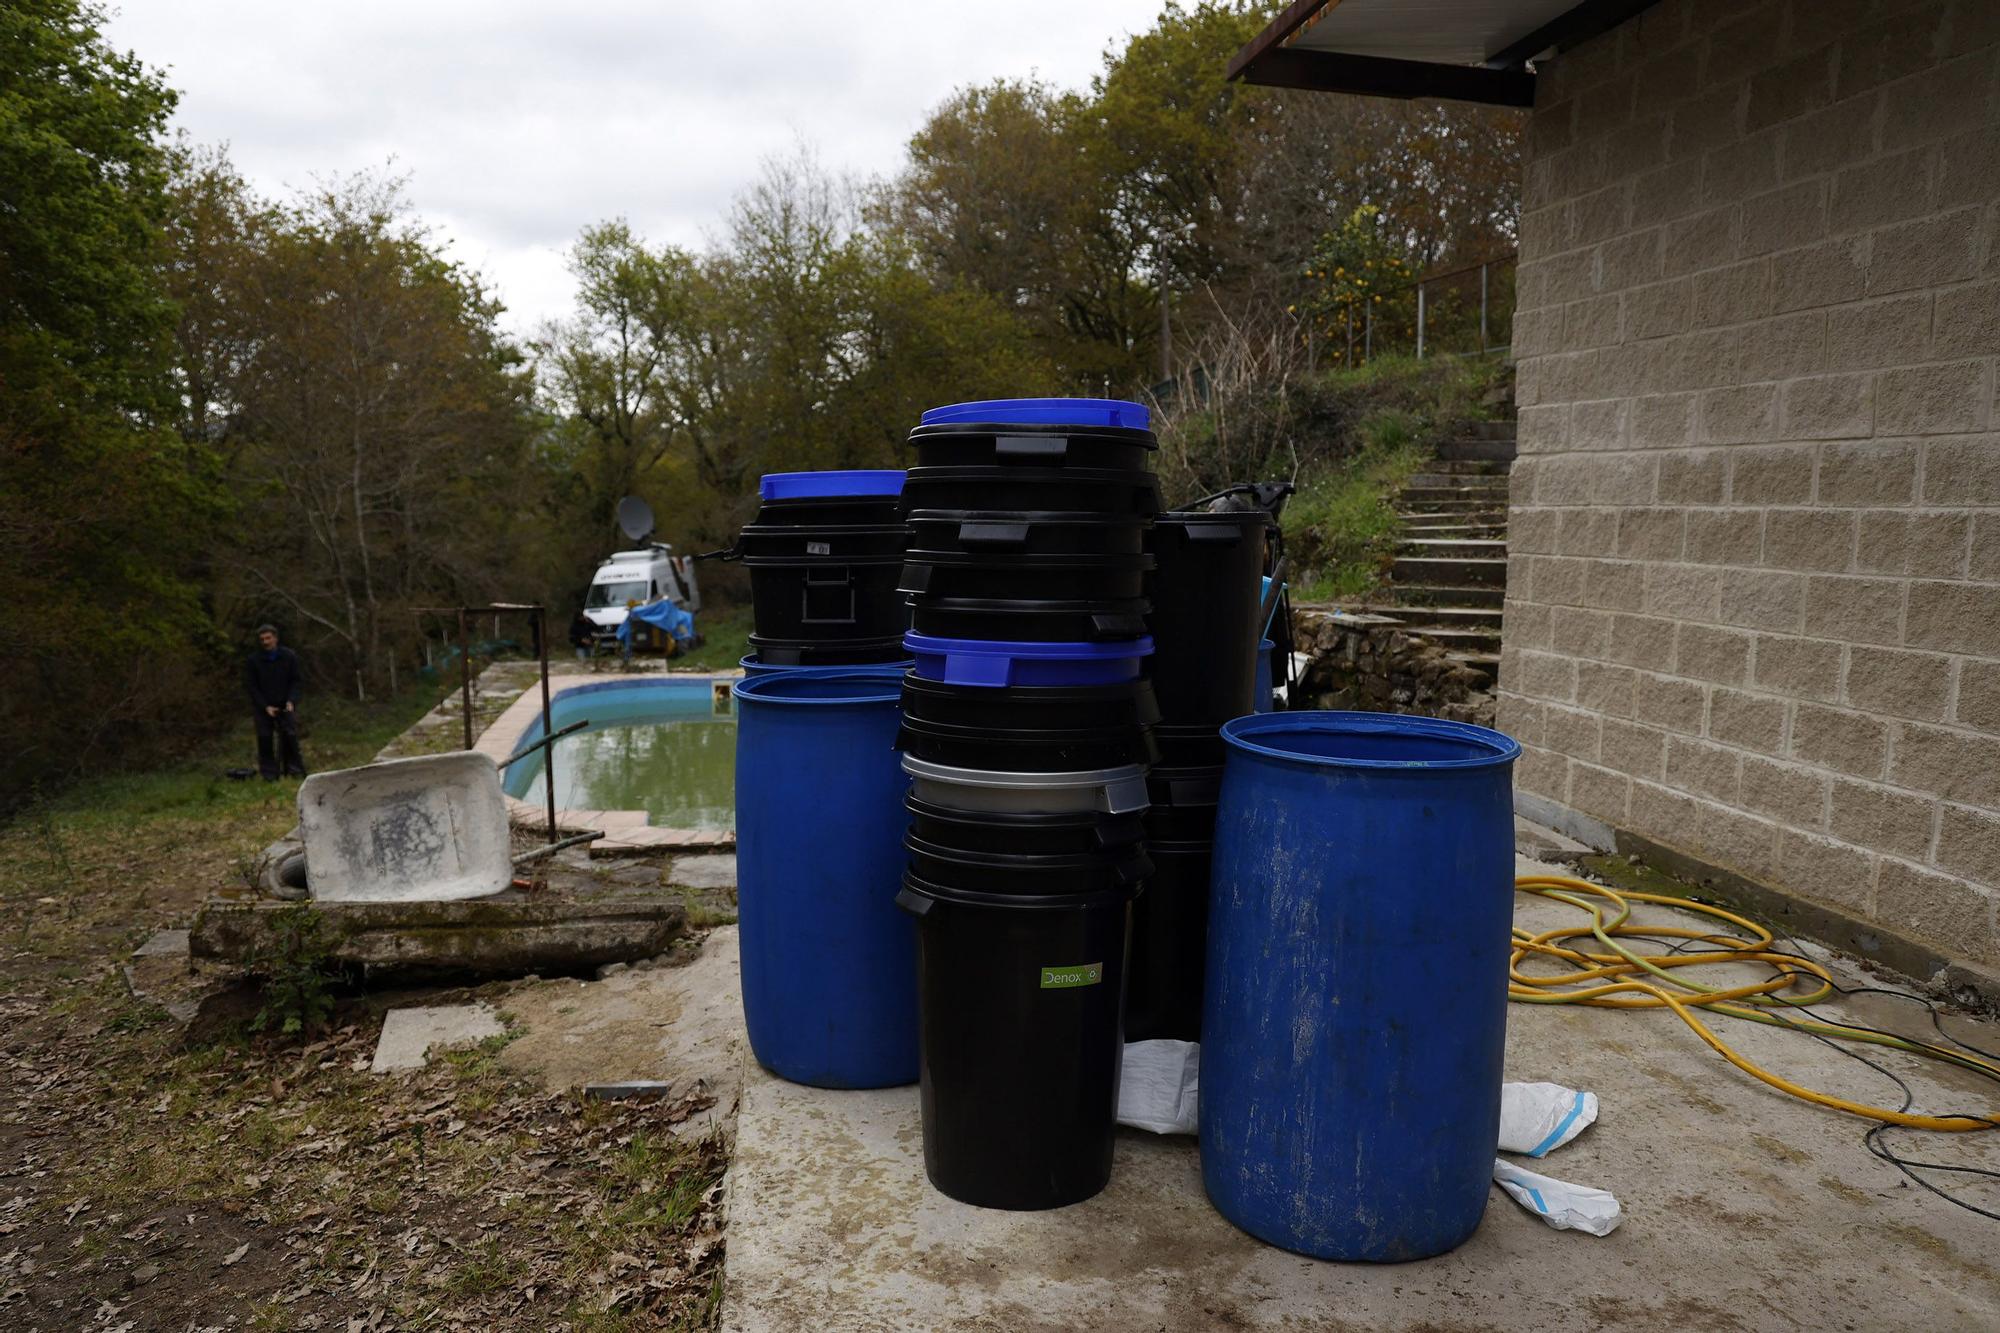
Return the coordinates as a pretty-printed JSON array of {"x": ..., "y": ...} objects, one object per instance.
[{"x": 410, "y": 1035}]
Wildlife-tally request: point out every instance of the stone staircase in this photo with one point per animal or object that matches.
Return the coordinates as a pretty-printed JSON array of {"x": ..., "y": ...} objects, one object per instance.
[{"x": 1450, "y": 573}]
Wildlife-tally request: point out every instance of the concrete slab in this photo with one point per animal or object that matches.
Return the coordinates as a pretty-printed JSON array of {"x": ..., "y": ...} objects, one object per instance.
[
  {"x": 679, "y": 1024},
  {"x": 164, "y": 944},
  {"x": 513, "y": 933},
  {"x": 1744, "y": 1209},
  {"x": 714, "y": 871},
  {"x": 410, "y": 1035}
]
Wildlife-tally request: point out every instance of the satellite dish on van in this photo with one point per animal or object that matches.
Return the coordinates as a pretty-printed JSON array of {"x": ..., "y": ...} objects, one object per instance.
[{"x": 635, "y": 518}]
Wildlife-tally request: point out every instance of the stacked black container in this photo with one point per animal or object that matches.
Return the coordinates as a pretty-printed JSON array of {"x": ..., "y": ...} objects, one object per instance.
[
  {"x": 825, "y": 553},
  {"x": 1026, "y": 729},
  {"x": 1205, "y": 636}
]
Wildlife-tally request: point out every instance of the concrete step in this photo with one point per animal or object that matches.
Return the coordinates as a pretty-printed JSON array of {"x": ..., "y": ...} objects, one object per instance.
[
  {"x": 1461, "y": 547},
  {"x": 1461, "y": 617},
  {"x": 1479, "y": 485},
  {"x": 1450, "y": 497},
  {"x": 1463, "y": 640},
  {"x": 1469, "y": 467},
  {"x": 1465, "y": 595},
  {"x": 1486, "y": 663},
  {"x": 1448, "y": 571},
  {"x": 1490, "y": 448},
  {"x": 1436, "y": 500},
  {"x": 1500, "y": 428},
  {"x": 1451, "y": 525},
  {"x": 1453, "y": 514}
]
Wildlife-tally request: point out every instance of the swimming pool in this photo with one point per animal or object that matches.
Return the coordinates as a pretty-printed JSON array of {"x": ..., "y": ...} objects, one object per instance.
[{"x": 665, "y": 746}]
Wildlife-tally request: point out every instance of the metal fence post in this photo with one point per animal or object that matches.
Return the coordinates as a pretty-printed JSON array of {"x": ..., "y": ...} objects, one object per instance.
[{"x": 1420, "y": 321}]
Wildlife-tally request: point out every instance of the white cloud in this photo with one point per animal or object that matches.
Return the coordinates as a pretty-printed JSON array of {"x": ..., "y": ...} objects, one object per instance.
[{"x": 521, "y": 121}]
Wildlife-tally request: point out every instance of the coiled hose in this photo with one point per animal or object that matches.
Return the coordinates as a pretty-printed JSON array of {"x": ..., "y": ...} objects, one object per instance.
[{"x": 1625, "y": 978}]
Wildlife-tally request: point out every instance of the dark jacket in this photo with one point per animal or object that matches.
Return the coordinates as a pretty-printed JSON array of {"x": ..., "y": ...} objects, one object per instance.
[{"x": 273, "y": 681}]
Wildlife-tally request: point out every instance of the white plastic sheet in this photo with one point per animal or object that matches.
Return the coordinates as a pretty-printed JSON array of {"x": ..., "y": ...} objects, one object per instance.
[
  {"x": 1158, "y": 1086},
  {"x": 1564, "y": 1206},
  {"x": 1537, "y": 1118},
  {"x": 1159, "y": 1090}
]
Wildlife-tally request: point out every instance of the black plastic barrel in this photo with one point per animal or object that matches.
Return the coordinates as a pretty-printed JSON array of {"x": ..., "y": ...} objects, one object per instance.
[
  {"x": 1020, "y": 621},
  {"x": 1125, "y": 704},
  {"x": 1169, "y": 944},
  {"x": 976, "y": 444},
  {"x": 1011, "y": 577},
  {"x": 1111, "y": 491},
  {"x": 823, "y": 541},
  {"x": 1185, "y": 745},
  {"x": 1183, "y": 802},
  {"x": 1204, "y": 615},
  {"x": 1015, "y": 749},
  {"x": 776, "y": 652},
  {"x": 1020, "y": 1007},
  {"x": 1057, "y": 833},
  {"x": 1027, "y": 532},
  {"x": 1018, "y": 874},
  {"x": 812, "y": 599}
]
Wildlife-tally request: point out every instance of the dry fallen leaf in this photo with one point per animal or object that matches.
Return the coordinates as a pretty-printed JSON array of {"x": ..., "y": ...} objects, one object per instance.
[{"x": 236, "y": 1254}]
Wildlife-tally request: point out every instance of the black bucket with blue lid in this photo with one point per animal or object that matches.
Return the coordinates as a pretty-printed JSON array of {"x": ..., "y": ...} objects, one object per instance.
[{"x": 1037, "y": 433}]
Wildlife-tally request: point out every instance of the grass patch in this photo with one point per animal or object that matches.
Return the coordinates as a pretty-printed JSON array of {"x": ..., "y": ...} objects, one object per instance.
[
  {"x": 725, "y": 637},
  {"x": 1341, "y": 527},
  {"x": 89, "y": 868}
]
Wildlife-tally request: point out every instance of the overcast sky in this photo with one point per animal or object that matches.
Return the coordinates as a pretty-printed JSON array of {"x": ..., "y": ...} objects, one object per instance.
[{"x": 520, "y": 121}]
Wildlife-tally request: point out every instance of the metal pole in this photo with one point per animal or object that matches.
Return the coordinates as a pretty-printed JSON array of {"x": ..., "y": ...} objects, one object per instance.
[
  {"x": 465, "y": 673},
  {"x": 1482, "y": 307},
  {"x": 1420, "y": 321},
  {"x": 549, "y": 759}
]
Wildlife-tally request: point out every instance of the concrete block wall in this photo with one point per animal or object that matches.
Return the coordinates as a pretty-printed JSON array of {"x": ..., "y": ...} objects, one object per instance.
[{"x": 1754, "y": 565}]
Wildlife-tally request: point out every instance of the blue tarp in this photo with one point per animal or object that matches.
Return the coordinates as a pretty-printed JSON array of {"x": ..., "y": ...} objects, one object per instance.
[{"x": 662, "y": 613}]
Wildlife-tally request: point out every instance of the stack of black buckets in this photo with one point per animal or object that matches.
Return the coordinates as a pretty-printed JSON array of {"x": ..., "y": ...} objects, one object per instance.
[
  {"x": 1205, "y": 628},
  {"x": 1027, "y": 733},
  {"x": 825, "y": 553}
]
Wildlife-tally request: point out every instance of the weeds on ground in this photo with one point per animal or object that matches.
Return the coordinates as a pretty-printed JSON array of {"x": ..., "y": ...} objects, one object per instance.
[
  {"x": 297, "y": 971},
  {"x": 1341, "y": 526}
]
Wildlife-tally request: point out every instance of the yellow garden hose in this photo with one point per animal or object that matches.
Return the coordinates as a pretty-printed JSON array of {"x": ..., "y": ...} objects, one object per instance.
[{"x": 1624, "y": 978}]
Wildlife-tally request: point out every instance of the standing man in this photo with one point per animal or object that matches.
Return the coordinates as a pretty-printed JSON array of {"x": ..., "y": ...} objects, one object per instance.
[{"x": 272, "y": 677}]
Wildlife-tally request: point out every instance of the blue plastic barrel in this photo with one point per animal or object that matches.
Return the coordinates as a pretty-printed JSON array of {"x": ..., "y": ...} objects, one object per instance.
[
  {"x": 753, "y": 666},
  {"x": 999, "y": 663},
  {"x": 1265, "y": 683},
  {"x": 1356, "y": 1007},
  {"x": 829, "y": 963},
  {"x": 1080, "y": 412}
]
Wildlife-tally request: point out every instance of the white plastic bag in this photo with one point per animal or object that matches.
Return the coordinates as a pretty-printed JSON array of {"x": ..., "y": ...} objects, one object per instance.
[
  {"x": 1564, "y": 1206},
  {"x": 1536, "y": 1118},
  {"x": 1158, "y": 1086}
]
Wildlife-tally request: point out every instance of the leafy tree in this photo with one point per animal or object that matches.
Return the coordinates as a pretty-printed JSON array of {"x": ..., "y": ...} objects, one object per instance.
[
  {"x": 102, "y": 506},
  {"x": 380, "y": 426}
]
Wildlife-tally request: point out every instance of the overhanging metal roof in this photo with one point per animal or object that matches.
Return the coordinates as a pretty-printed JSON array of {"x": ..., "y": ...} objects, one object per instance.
[{"x": 1458, "y": 50}]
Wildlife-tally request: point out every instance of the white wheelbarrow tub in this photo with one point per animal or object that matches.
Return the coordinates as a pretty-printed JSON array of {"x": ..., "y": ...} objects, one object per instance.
[{"x": 427, "y": 829}]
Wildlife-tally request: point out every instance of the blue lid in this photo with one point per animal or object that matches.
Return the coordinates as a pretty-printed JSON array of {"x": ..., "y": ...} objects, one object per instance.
[
  {"x": 818, "y": 485},
  {"x": 1044, "y": 412},
  {"x": 1047, "y": 652}
]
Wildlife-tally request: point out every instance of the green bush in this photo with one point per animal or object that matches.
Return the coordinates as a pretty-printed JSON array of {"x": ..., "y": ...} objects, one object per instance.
[{"x": 297, "y": 971}]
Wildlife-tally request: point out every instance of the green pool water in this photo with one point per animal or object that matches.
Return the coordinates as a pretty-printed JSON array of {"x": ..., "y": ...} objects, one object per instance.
[{"x": 665, "y": 747}]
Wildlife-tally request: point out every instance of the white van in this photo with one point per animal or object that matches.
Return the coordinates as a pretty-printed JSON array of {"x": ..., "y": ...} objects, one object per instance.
[{"x": 635, "y": 578}]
